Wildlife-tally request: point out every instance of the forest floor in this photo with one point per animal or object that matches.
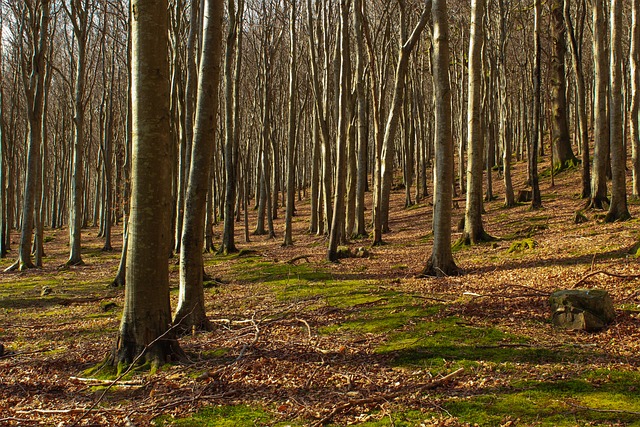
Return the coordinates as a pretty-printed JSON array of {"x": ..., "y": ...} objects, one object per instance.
[{"x": 364, "y": 341}]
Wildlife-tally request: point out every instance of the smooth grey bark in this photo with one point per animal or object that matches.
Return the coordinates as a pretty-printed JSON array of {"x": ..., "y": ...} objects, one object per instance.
[
  {"x": 145, "y": 333},
  {"x": 440, "y": 262},
  {"x": 189, "y": 107},
  {"x": 232, "y": 130},
  {"x": 292, "y": 128},
  {"x": 387, "y": 154},
  {"x": 473, "y": 228},
  {"x": 561, "y": 143},
  {"x": 618, "y": 209},
  {"x": 190, "y": 313},
  {"x": 634, "y": 59},
  {"x": 34, "y": 90},
  {"x": 581, "y": 105},
  {"x": 321, "y": 115},
  {"x": 363, "y": 128},
  {"x": 505, "y": 140},
  {"x": 337, "y": 223},
  {"x": 536, "y": 200},
  {"x": 80, "y": 16},
  {"x": 599, "y": 199}
]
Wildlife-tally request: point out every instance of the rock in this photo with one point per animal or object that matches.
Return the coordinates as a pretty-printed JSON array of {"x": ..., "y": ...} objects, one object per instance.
[
  {"x": 362, "y": 252},
  {"x": 108, "y": 306},
  {"x": 46, "y": 290},
  {"x": 582, "y": 309}
]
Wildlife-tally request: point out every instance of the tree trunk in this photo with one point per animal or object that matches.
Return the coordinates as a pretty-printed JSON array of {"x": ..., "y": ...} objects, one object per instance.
[
  {"x": 635, "y": 97},
  {"x": 561, "y": 143},
  {"x": 618, "y": 210},
  {"x": 599, "y": 198},
  {"x": 581, "y": 106},
  {"x": 190, "y": 313},
  {"x": 292, "y": 129},
  {"x": 441, "y": 261},
  {"x": 145, "y": 333},
  {"x": 473, "y": 228},
  {"x": 536, "y": 200}
]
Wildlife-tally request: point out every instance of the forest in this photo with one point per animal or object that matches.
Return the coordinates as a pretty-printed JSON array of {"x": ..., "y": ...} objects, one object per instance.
[{"x": 319, "y": 212}]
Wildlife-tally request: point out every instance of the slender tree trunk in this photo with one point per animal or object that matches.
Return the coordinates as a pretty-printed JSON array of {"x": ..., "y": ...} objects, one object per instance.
[
  {"x": 473, "y": 228},
  {"x": 441, "y": 261},
  {"x": 292, "y": 129},
  {"x": 618, "y": 210},
  {"x": 581, "y": 107},
  {"x": 337, "y": 223},
  {"x": 599, "y": 198},
  {"x": 536, "y": 200},
  {"x": 561, "y": 143},
  {"x": 635, "y": 97}
]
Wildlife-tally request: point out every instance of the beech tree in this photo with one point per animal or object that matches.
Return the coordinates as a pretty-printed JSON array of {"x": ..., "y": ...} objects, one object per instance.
[
  {"x": 473, "y": 227},
  {"x": 145, "y": 333},
  {"x": 190, "y": 313},
  {"x": 441, "y": 261}
]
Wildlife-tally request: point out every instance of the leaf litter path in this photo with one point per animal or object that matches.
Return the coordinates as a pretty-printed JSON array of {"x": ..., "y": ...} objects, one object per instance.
[{"x": 290, "y": 355}]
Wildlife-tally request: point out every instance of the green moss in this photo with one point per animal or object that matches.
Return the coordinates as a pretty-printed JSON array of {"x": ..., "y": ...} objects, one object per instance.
[
  {"x": 522, "y": 245},
  {"x": 222, "y": 416},
  {"x": 548, "y": 402}
]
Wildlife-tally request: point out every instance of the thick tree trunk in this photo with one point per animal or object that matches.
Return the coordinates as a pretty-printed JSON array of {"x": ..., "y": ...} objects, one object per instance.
[{"x": 145, "y": 333}]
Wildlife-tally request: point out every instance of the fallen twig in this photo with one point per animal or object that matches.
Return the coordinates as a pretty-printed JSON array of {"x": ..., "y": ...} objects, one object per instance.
[
  {"x": 606, "y": 273},
  {"x": 605, "y": 411},
  {"x": 384, "y": 398},
  {"x": 96, "y": 381},
  {"x": 298, "y": 258},
  {"x": 21, "y": 353}
]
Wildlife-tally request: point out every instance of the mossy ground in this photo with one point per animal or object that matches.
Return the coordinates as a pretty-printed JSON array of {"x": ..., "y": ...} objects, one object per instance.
[{"x": 297, "y": 339}]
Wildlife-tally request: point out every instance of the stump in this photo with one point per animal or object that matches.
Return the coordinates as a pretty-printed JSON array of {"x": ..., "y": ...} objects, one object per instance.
[
  {"x": 582, "y": 309},
  {"x": 525, "y": 196}
]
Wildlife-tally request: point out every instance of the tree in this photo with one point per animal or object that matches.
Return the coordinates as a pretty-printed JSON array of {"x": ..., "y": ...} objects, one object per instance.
[
  {"x": 35, "y": 19},
  {"x": 561, "y": 144},
  {"x": 473, "y": 227},
  {"x": 146, "y": 318},
  {"x": 337, "y": 223},
  {"x": 231, "y": 127},
  {"x": 635, "y": 96},
  {"x": 618, "y": 210},
  {"x": 387, "y": 154},
  {"x": 599, "y": 198},
  {"x": 80, "y": 15},
  {"x": 441, "y": 261},
  {"x": 581, "y": 107},
  {"x": 190, "y": 312},
  {"x": 536, "y": 200},
  {"x": 292, "y": 129}
]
